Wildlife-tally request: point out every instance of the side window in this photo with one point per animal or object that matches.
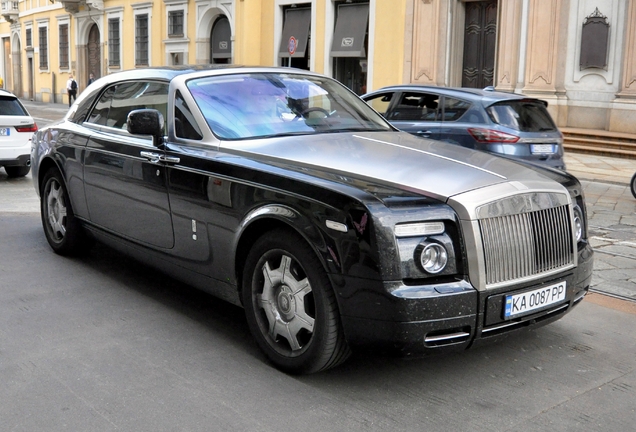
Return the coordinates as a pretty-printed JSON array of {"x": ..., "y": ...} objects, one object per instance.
[
  {"x": 99, "y": 115},
  {"x": 137, "y": 95},
  {"x": 416, "y": 106},
  {"x": 381, "y": 102},
  {"x": 184, "y": 124},
  {"x": 454, "y": 108},
  {"x": 117, "y": 101}
]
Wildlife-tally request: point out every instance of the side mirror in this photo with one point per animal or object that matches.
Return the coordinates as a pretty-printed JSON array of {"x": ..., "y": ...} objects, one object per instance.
[{"x": 146, "y": 122}]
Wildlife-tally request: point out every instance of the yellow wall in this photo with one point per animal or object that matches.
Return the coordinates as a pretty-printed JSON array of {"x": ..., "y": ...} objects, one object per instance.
[
  {"x": 254, "y": 33},
  {"x": 248, "y": 32},
  {"x": 319, "y": 35},
  {"x": 389, "y": 29}
]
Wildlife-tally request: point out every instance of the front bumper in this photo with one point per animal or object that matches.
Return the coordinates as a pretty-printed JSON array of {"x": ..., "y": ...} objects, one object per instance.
[{"x": 449, "y": 316}]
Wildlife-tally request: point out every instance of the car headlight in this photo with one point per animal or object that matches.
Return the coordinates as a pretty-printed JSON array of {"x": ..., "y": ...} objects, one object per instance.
[
  {"x": 433, "y": 258},
  {"x": 578, "y": 223}
]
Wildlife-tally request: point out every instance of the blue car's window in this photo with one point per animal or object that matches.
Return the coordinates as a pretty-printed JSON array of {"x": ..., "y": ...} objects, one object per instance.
[
  {"x": 381, "y": 102},
  {"x": 454, "y": 109},
  {"x": 416, "y": 106},
  {"x": 521, "y": 115},
  {"x": 262, "y": 105}
]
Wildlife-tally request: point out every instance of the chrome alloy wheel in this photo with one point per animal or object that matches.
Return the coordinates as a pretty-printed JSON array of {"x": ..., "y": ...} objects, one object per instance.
[
  {"x": 56, "y": 210},
  {"x": 287, "y": 305}
]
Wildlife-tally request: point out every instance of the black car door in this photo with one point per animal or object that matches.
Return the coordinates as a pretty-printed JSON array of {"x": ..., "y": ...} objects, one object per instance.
[{"x": 125, "y": 175}]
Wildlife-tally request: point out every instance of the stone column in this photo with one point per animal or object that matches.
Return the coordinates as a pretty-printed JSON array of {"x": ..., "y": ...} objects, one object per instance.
[
  {"x": 509, "y": 39},
  {"x": 428, "y": 59},
  {"x": 543, "y": 46},
  {"x": 628, "y": 81}
]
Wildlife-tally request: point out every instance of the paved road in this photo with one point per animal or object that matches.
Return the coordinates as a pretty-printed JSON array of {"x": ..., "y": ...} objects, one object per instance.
[
  {"x": 612, "y": 229},
  {"x": 102, "y": 343}
]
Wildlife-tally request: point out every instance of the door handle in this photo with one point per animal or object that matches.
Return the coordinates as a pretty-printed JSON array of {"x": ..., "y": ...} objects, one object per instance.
[
  {"x": 169, "y": 159},
  {"x": 425, "y": 133},
  {"x": 152, "y": 157},
  {"x": 156, "y": 158}
]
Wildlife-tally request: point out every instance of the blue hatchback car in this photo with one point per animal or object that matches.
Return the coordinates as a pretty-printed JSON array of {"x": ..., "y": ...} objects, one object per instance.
[{"x": 507, "y": 124}]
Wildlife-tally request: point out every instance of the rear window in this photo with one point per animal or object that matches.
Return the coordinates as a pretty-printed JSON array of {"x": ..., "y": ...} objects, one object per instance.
[
  {"x": 11, "y": 106},
  {"x": 524, "y": 116}
]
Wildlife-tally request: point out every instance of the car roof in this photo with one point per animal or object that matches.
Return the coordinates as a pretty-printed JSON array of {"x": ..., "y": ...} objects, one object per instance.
[
  {"x": 6, "y": 93},
  {"x": 170, "y": 72},
  {"x": 487, "y": 96}
]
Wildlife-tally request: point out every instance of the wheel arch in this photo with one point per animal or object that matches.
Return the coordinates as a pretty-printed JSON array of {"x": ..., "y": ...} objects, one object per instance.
[
  {"x": 272, "y": 217},
  {"x": 43, "y": 167}
]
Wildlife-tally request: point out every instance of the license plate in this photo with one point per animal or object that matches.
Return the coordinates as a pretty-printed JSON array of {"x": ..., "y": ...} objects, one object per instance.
[
  {"x": 518, "y": 304},
  {"x": 5, "y": 131},
  {"x": 542, "y": 148}
]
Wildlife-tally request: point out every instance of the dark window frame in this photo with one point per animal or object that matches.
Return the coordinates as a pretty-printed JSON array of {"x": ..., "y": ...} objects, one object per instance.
[
  {"x": 64, "y": 56},
  {"x": 29, "y": 37},
  {"x": 43, "y": 38},
  {"x": 141, "y": 40},
  {"x": 176, "y": 23},
  {"x": 114, "y": 41}
]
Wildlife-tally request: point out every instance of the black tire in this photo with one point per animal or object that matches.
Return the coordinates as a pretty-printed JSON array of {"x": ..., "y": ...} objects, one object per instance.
[
  {"x": 632, "y": 184},
  {"x": 17, "y": 171},
  {"x": 290, "y": 305},
  {"x": 62, "y": 230}
]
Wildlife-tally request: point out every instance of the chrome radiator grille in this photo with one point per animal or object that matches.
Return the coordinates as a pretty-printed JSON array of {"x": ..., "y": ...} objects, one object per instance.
[{"x": 527, "y": 244}]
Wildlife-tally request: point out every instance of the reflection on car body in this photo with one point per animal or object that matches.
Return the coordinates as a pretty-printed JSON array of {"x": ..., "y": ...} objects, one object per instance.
[
  {"x": 331, "y": 228},
  {"x": 507, "y": 124}
]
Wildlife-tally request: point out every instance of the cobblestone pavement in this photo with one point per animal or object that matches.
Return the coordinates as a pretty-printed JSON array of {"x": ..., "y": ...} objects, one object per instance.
[{"x": 612, "y": 230}]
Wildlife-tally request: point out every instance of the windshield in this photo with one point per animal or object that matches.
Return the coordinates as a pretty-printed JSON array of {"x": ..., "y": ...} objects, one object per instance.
[
  {"x": 522, "y": 115},
  {"x": 277, "y": 104}
]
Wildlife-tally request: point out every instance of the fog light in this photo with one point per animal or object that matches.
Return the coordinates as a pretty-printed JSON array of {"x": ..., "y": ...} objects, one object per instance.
[{"x": 433, "y": 258}]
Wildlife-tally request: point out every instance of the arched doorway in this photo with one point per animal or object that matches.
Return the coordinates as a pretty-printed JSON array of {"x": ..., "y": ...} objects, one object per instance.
[
  {"x": 221, "y": 41},
  {"x": 93, "y": 53}
]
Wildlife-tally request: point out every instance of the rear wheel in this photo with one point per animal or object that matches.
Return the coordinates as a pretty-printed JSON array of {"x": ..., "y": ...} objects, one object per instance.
[
  {"x": 633, "y": 185},
  {"x": 290, "y": 306},
  {"x": 17, "y": 171},
  {"x": 62, "y": 230}
]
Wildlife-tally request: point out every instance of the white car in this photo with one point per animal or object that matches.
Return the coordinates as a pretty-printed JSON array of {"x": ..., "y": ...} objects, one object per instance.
[{"x": 16, "y": 130}]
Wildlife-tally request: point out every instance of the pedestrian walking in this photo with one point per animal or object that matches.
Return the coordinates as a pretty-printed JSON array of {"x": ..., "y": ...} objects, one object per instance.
[
  {"x": 71, "y": 89},
  {"x": 91, "y": 78}
]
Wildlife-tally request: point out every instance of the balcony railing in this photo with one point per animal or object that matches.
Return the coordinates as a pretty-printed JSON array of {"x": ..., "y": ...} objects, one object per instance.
[{"x": 9, "y": 10}]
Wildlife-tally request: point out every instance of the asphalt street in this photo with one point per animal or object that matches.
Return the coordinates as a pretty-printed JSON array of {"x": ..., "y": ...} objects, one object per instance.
[{"x": 102, "y": 343}]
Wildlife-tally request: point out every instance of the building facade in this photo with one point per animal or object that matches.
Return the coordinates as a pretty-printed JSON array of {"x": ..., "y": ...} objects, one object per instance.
[{"x": 579, "y": 55}]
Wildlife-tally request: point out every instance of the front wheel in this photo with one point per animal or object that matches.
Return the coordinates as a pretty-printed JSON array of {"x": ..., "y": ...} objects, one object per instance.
[
  {"x": 62, "y": 230},
  {"x": 290, "y": 306},
  {"x": 633, "y": 185}
]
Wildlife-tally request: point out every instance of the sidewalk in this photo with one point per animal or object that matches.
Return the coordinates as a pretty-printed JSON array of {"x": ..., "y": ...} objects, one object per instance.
[{"x": 600, "y": 168}]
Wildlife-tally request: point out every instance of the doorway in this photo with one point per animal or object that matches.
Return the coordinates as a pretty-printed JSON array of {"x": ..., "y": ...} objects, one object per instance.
[
  {"x": 480, "y": 37},
  {"x": 93, "y": 54}
]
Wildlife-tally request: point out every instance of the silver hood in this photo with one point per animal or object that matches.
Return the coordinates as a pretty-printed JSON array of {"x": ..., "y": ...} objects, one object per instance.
[{"x": 431, "y": 168}]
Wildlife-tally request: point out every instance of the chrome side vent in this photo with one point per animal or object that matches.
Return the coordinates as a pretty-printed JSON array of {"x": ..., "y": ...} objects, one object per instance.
[{"x": 518, "y": 246}]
